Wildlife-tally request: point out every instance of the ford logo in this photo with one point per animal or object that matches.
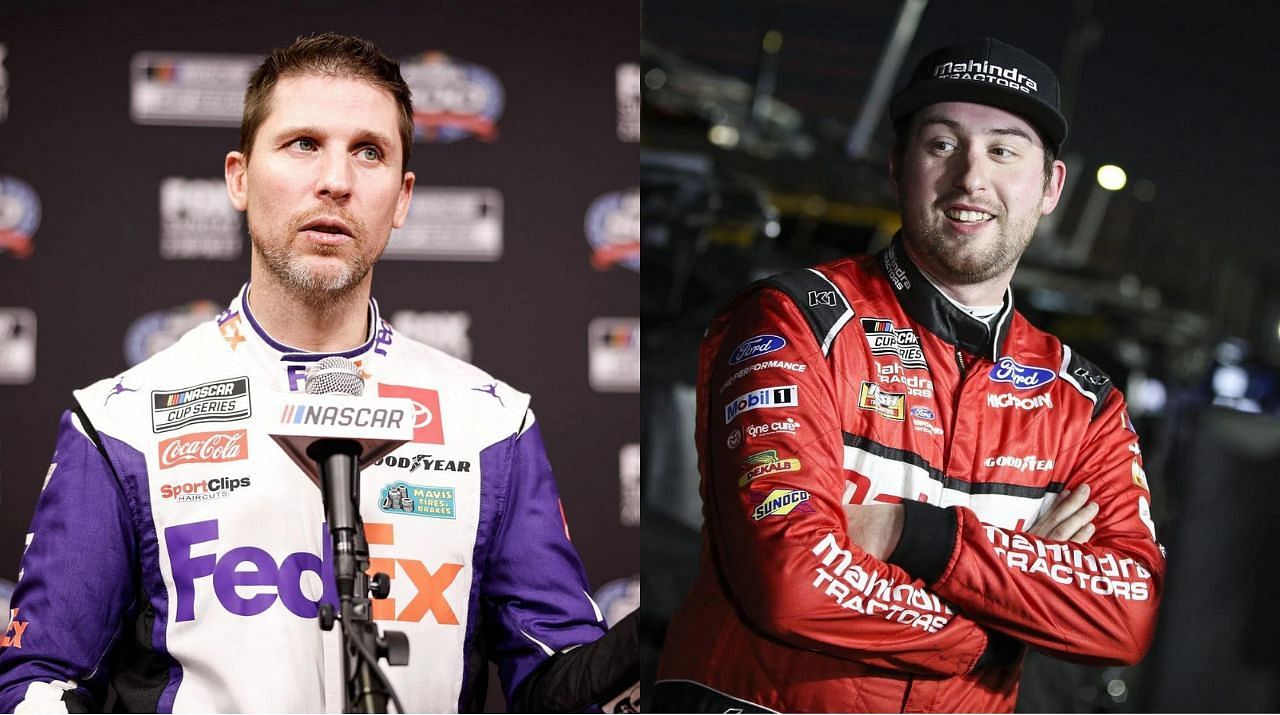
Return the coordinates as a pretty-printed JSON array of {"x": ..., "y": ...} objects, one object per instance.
[
  {"x": 1020, "y": 376},
  {"x": 757, "y": 346},
  {"x": 923, "y": 413}
]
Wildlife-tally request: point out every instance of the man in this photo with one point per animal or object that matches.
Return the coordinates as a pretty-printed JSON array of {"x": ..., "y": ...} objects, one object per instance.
[
  {"x": 180, "y": 556},
  {"x": 905, "y": 483}
]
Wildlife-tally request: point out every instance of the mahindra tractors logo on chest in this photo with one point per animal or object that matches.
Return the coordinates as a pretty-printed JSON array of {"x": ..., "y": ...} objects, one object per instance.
[
  {"x": 1021, "y": 376},
  {"x": 428, "y": 427},
  {"x": 204, "y": 447}
]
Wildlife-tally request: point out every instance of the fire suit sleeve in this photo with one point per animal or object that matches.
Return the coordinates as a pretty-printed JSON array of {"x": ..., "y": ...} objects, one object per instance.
[
  {"x": 1092, "y": 603},
  {"x": 770, "y": 450},
  {"x": 534, "y": 589},
  {"x": 75, "y": 584}
]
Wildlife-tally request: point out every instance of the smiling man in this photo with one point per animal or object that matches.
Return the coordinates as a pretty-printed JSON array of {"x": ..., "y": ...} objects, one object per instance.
[
  {"x": 180, "y": 557},
  {"x": 906, "y": 483}
]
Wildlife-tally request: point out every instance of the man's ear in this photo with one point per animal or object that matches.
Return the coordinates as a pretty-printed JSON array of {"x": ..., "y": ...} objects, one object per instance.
[
  {"x": 236, "y": 170},
  {"x": 1053, "y": 187}
]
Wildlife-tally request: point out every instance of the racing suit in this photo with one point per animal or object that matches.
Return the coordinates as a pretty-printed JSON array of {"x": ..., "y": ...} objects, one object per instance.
[
  {"x": 859, "y": 382},
  {"x": 179, "y": 554}
]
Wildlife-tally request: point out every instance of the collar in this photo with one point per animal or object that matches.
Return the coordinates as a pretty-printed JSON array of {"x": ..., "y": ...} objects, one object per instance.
[
  {"x": 246, "y": 336},
  {"x": 928, "y": 306}
]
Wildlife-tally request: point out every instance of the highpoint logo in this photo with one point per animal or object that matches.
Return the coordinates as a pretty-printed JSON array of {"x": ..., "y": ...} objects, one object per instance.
[{"x": 984, "y": 71}]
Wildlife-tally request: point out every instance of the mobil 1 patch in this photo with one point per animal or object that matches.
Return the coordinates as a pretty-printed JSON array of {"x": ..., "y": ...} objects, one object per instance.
[{"x": 217, "y": 401}]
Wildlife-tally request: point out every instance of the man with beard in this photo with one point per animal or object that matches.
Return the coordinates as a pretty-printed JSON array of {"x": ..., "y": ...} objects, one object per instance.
[
  {"x": 905, "y": 483},
  {"x": 180, "y": 557}
]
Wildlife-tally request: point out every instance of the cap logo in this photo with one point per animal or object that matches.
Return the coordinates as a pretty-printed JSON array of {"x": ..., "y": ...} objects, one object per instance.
[{"x": 976, "y": 71}]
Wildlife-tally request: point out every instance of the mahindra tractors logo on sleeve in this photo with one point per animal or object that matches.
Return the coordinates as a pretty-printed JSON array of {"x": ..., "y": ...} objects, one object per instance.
[
  {"x": 217, "y": 401},
  {"x": 757, "y": 346},
  {"x": 204, "y": 448},
  {"x": 428, "y": 427},
  {"x": 1020, "y": 376}
]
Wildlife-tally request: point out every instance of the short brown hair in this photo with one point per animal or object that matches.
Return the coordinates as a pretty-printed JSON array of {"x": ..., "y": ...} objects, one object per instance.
[{"x": 330, "y": 55}]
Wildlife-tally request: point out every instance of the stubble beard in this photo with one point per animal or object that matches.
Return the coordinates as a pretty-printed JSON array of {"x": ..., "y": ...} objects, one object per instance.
[
  {"x": 316, "y": 289},
  {"x": 956, "y": 259}
]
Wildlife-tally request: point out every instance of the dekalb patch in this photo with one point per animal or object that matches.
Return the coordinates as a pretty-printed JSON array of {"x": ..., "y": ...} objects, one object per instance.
[
  {"x": 404, "y": 498},
  {"x": 756, "y": 346},
  {"x": 218, "y": 401},
  {"x": 1020, "y": 376},
  {"x": 765, "y": 463},
  {"x": 779, "y": 502}
]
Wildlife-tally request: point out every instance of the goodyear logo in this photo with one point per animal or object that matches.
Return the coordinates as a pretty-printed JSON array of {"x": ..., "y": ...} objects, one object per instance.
[
  {"x": 405, "y": 498},
  {"x": 765, "y": 463},
  {"x": 887, "y": 404},
  {"x": 781, "y": 502}
]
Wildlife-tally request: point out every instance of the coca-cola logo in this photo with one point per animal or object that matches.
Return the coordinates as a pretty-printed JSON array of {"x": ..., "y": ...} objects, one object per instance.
[{"x": 204, "y": 447}]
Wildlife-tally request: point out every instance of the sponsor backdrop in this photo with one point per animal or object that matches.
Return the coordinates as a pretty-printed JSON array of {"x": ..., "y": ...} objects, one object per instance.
[{"x": 520, "y": 253}]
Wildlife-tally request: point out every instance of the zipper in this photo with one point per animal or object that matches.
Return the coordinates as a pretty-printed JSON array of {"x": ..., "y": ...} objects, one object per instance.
[{"x": 955, "y": 414}]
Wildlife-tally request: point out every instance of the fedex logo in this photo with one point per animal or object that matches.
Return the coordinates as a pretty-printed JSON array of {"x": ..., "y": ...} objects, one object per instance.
[
  {"x": 250, "y": 566},
  {"x": 427, "y": 425}
]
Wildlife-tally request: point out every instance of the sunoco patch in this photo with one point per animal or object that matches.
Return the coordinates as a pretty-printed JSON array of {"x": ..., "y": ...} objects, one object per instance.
[{"x": 218, "y": 401}]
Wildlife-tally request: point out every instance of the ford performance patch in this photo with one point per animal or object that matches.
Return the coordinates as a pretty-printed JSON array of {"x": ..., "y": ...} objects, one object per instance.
[
  {"x": 219, "y": 401},
  {"x": 757, "y": 346},
  {"x": 1021, "y": 376}
]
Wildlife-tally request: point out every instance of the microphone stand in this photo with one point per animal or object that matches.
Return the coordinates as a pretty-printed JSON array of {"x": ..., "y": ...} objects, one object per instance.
[{"x": 366, "y": 687}]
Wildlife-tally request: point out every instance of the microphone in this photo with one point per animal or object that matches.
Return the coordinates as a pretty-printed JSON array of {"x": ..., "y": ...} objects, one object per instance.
[
  {"x": 333, "y": 409},
  {"x": 331, "y": 432}
]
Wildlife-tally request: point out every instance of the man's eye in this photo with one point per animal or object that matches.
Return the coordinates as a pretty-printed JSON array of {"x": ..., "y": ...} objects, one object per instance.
[
  {"x": 942, "y": 145},
  {"x": 1003, "y": 152},
  {"x": 370, "y": 153},
  {"x": 305, "y": 144}
]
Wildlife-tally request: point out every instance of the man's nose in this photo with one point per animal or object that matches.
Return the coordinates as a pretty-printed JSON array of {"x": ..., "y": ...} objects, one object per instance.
[
  {"x": 968, "y": 170},
  {"x": 335, "y": 176}
]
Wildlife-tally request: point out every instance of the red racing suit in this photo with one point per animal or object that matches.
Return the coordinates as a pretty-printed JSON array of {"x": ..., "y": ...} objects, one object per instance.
[{"x": 859, "y": 382}]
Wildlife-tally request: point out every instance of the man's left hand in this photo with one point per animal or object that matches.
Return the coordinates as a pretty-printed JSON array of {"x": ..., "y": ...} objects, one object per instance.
[{"x": 875, "y": 527}]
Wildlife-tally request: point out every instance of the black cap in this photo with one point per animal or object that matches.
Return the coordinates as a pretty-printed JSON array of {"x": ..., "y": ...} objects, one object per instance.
[{"x": 986, "y": 71}]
